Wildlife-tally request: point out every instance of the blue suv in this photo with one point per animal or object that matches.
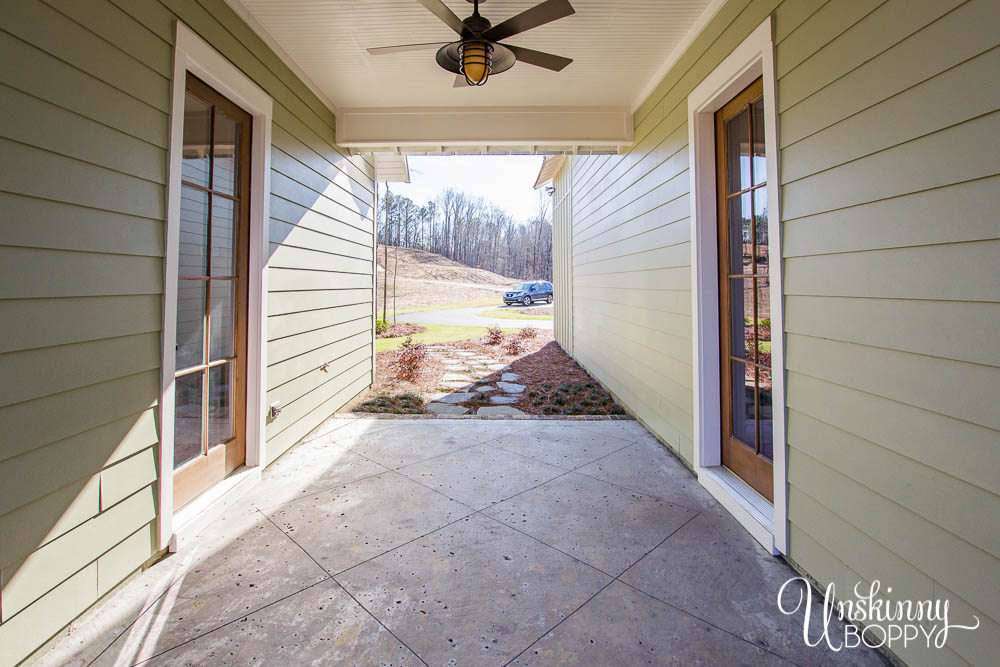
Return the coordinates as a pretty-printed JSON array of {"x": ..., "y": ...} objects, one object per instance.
[{"x": 535, "y": 291}]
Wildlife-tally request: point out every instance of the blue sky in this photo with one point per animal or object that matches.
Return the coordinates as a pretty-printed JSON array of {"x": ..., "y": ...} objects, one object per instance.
[{"x": 507, "y": 180}]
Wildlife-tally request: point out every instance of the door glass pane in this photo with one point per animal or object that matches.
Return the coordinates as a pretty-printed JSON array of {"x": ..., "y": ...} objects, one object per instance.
[
  {"x": 224, "y": 223},
  {"x": 763, "y": 321},
  {"x": 220, "y": 404},
  {"x": 743, "y": 402},
  {"x": 197, "y": 140},
  {"x": 759, "y": 159},
  {"x": 760, "y": 227},
  {"x": 190, "y": 344},
  {"x": 766, "y": 418},
  {"x": 193, "y": 233},
  {"x": 221, "y": 323},
  {"x": 741, "y": 319},
  {"x": 187, "y": 417},
  {"x": 224, "y": 162},
  {"x": 740, "y": 232},
  {"x": 738, "y": 152}
]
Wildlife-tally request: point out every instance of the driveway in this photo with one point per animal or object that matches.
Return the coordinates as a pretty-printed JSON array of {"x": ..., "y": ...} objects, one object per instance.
[
  {"x": 461, "y": 541},
  {"x": 469, "y": 317}
]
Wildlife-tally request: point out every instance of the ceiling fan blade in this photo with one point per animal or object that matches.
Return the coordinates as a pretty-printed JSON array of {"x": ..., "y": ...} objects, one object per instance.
[
  {"x": 460, "y": 82},
  {"x": 546, "y": 12},
  {"x": 440, "y": 10},
  {"x": 539, "y": 58},
  {"x": 403, "y": 48}
]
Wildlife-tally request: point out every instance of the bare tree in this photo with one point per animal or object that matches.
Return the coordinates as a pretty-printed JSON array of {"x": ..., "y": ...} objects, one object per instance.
[{"x": 470, "y": 230}]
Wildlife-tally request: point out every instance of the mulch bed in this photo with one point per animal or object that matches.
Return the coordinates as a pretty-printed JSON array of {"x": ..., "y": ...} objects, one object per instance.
[
  {"x": 398, "y": 404},
  {"x": 400, "y": 329},
  {"x": 554, "y": 383}
]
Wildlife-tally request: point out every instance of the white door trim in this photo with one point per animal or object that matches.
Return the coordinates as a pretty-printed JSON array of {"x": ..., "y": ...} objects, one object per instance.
[
  {"x": 753, "y": 58},
  {"x": 193, "y": 54}
]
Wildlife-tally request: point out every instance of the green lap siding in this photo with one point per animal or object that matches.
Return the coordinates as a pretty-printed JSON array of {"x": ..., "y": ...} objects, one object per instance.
[
  {"x": 889, "y": 119},
  {"x": 84, "y": 133}
]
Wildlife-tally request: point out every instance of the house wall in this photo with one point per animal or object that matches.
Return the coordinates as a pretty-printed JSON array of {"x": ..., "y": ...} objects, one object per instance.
[
  {"x": 562, "y": 247},
  {"x": 84, "y": 104},
  {"x": 889, "y": 133}
]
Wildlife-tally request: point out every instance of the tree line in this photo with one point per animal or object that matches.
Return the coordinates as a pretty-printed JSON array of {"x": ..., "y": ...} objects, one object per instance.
[{"x": 470, "y": 230}]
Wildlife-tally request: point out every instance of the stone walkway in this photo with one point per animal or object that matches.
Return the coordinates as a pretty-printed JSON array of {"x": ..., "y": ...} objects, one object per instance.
[
  {"x": 476, "y": 542},
  {"x": 466, "y": 378}
]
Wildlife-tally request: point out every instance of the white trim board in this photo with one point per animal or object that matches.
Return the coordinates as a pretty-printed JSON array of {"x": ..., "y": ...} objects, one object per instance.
[
  {"x": 420, "y": 127},
  {"x": 753, "y": 58},
  {"x": 192, "y": 54}
]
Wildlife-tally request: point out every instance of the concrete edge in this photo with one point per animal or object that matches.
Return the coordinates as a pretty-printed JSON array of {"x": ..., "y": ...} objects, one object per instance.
[{"x": 590, "y": 418}]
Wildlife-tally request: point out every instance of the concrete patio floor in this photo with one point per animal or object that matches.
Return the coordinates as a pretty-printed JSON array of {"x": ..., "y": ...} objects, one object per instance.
[{"x": 461, "y": 542}]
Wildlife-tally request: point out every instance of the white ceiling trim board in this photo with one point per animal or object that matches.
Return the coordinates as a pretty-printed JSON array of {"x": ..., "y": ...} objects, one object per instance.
[
  {"x": 476, "y": 126},
  {"x": 272, "y": 43},
  {"x": 710, "y": 11}
]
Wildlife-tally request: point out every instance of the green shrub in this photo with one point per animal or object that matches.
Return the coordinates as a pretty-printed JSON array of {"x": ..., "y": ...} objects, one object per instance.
[{"x": 381, "y": 326}]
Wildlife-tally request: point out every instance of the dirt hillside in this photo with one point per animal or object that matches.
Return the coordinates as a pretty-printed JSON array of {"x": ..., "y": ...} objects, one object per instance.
[
  {"x": 427, "y": 279},
  {"x": 424, "y": 265}
]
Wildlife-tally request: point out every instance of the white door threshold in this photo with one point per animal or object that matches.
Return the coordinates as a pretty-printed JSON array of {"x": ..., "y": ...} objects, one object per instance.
[
  {"x": 746, "y": 505},
  {"x": 206, "y": 508}
]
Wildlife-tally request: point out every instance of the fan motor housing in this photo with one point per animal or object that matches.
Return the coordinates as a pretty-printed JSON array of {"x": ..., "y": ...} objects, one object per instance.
[{"x": 449, "y": 57}]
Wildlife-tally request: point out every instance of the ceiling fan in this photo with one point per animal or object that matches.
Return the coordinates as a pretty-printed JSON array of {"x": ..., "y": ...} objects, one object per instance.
[{"x": 477, "y": 55}]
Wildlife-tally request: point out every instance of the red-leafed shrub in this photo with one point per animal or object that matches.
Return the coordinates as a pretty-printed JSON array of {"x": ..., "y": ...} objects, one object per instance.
[
  {"x": 527, "y": 332},
  {"x": 410, "y": 360},
  {"x": 494, "y": 336},
  {"x": 513, "y": 345}
]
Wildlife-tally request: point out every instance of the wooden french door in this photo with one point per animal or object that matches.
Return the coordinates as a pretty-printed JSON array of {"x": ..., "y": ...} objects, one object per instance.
[
  {"x": 210, "y": 377},
  {"x": 744, "y": 290}
]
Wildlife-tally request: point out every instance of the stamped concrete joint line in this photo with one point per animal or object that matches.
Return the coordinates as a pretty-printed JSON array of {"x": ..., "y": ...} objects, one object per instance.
[{"x": 478, "y": 546}]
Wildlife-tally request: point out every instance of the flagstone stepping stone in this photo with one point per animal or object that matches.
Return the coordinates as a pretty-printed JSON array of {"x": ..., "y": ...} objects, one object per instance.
[
  {"x": 510, "y": 377},
  {"x": 445, "y": 409},
  {"x": 504, "y": 400},
  {"x": 456, "y": 377},
  {"x": 456, "y": 397},
  {"x": 458, "y": 385},
  {"x": 499, "y": 367},
  {"x": 498, "y": 410},
  {"x": 511, "y": 388},
  {"x": 465, "y": 354},
  {"x": 485, "y": 387}
]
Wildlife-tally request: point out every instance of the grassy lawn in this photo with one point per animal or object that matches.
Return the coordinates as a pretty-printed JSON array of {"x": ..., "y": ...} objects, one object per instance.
[
  {"x": 515, "y": 314},
  {"x": 446, "y": 306},
  {"x": 436, "y": 333}
]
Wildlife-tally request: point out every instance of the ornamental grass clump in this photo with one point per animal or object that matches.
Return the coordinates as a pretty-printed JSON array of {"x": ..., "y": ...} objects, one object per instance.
[{"x": 410, "y": 359}]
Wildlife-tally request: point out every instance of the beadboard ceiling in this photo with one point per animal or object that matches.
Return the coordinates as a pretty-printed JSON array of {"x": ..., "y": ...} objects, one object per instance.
[{"x": 618, "y": 48}]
